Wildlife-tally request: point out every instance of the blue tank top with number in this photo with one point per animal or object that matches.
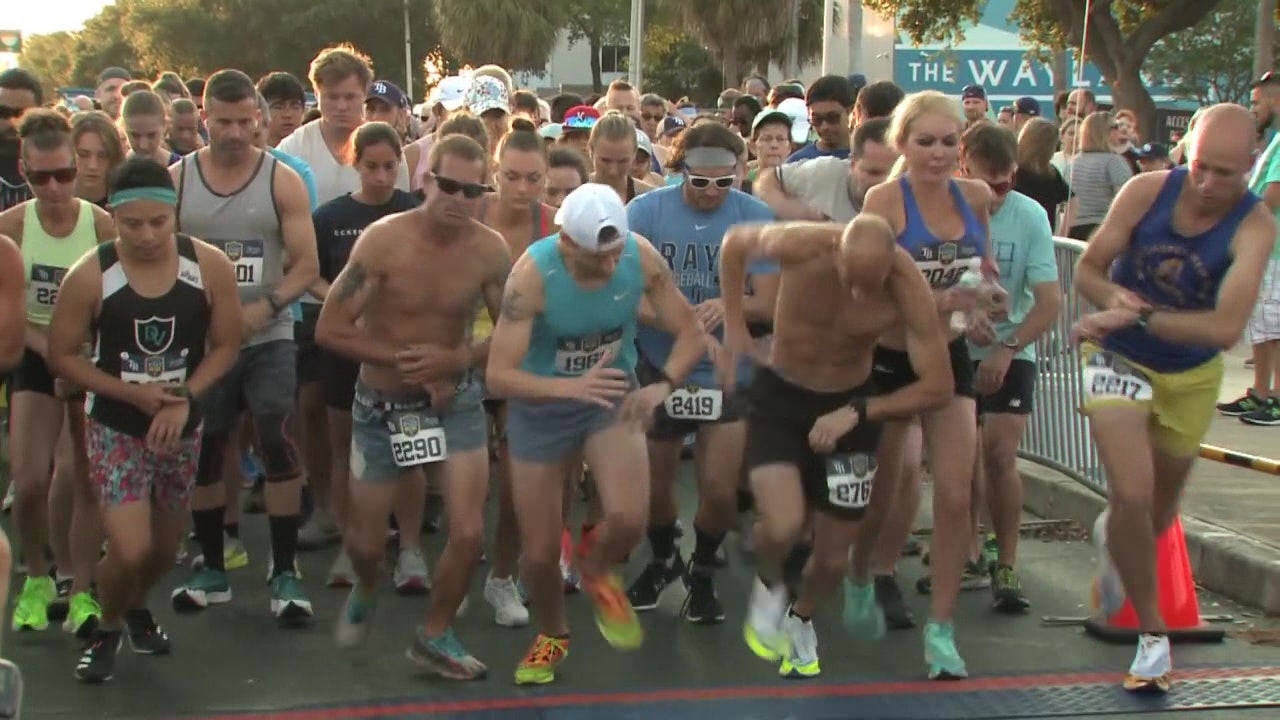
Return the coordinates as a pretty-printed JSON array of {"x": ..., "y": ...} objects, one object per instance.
[
  {"x": 1175, "y": 272},
  {"x": 942, "y": 262},
  {"x": 578, "y": 325}
]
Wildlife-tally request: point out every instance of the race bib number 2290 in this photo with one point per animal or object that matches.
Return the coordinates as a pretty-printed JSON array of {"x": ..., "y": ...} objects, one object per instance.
[{"x": 417, "y": 440}]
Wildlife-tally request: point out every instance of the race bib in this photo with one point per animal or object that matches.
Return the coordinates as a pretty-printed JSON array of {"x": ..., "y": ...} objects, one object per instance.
[
  {"x": 417, "y": 439},
  {"x": 1108, "y": 376},
  {"x": 849, "y": 479},
  {"x": 694, "y": 403},
  {"x": 944, "y": 263},
  {"x": 248, "y": 258},
  {"x": 577, "y": 355},
  {"x": 169, "y": 368},
  {"x": 43, "y": 287}
]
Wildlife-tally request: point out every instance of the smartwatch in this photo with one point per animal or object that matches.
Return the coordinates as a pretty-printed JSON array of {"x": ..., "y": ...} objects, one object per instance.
[{"x": 1011, "y": 342}]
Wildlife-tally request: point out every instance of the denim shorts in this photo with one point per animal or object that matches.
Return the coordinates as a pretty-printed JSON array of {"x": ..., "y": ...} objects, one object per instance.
[{"x": 391, "y": 434}]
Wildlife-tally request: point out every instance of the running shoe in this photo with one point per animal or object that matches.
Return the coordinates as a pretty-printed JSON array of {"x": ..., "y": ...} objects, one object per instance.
[
  {"x": 62, "y": 600},
  {"x": 614, "y": 615},
  {"x": 646, "y": 590},
  {"x": 289, "y": 602},
  {"x": 31, "y": 611},
  {"x": 411, "y": 576},
  {"x": 701, "y": 605},
  {"x": 83, "y": 615},
  {"x": 545, "y": 655},
  {"x": 342, "y": 573},
  {"x": 444, "y": 656},
  {"x": 504, "y": 597},
  {"x": 1242, "y": 405},
  {"x": 98, "y": 661},
  {"x": 1152, "y": 667},
  {"x": 1267, "y": 414},
  {"x": 206, "y": 587},
  {"x": 354, "y": 619},
  {"x": 801, "y": 660},
  {"x": 863, "y": 616},
  {"x": 1006, "y": 590},
  {"x": 146, "y": 637},
  {"x": 763, "y": 631},
  {"x": 940, "y": 652}
]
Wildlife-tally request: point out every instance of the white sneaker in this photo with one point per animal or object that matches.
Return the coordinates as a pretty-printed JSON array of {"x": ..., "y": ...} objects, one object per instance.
[
  {"x": 763, "y": 630},
  {"x": 801, "y": 661},
  {"x": 411, "y": 576},
  {"x": 1152, "y": 666},
  {"x": 342, "y": 573},
  {"x": 503, "y": 596}
]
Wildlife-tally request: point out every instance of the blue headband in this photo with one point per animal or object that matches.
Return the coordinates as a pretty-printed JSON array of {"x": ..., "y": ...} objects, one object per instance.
[{"x": 159, "y": 194}]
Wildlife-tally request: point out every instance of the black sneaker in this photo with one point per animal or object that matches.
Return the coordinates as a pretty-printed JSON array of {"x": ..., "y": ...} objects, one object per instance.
[
  {"x": 889, "y": 597},
  {"x": 1267, "y": 413},
  {"x": 61, "y": 605},
  {"x": 98, "y": 661},
  {"x": 1242, "y": 405},
  {"x": 647, "y": 589},
  {"x": 146, "y": 637},
  {"x": 702, "y": 605},
  {"x": 1006, "y": 591}
]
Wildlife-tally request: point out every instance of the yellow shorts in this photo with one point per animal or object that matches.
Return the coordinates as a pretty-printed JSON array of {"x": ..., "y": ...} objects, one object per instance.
[{"x": 1180, "y": 405}]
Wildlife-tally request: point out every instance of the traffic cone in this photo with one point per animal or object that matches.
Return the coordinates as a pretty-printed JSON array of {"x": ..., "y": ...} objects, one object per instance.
[{"x": 1179, "y": 605}]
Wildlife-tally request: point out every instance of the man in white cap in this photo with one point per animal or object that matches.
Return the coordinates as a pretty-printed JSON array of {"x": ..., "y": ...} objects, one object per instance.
[
  {"x": 564, "y": 354},
  {"x": 445, "y": 98}
]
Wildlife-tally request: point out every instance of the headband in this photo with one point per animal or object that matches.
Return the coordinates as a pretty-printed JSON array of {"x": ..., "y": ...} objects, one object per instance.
[
  {"x": 159, "y": 194},
  {"x": 710, "y": 157}
]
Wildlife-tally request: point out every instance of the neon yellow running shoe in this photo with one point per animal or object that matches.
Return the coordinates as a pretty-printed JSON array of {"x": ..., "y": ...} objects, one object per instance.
[
  {"x": 539, "y": 666},
  {"x": 614, "y": 615},
  {"x": 31, "y": 611},
  {"x": 84, "y": 615}
]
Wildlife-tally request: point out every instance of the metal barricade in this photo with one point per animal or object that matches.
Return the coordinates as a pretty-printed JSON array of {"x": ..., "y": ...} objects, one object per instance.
[{"x": 1057, "y": 434}]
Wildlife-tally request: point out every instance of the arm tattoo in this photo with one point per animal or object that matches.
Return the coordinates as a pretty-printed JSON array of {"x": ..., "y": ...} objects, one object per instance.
[
  {"x": 353, "y": 281},
  {"x": 514, "y": 306}
]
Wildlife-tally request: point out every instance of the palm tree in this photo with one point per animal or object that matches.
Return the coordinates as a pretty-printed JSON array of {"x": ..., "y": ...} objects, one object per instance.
[
  {"x": 516, "y": 34},
  {"x": 731, "y": 28}
]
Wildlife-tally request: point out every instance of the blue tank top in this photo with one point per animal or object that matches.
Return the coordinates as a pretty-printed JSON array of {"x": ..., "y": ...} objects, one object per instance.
[
  {"x": 577, "y": 326},
  {"x": 1173, "y": 272},
  {"x": 942, "y": 262}
]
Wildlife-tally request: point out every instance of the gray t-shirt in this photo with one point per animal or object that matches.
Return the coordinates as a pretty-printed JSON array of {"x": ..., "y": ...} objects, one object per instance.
[
  {"x": 1096, "y": 178},
  {"x": 823, "y": 184}
]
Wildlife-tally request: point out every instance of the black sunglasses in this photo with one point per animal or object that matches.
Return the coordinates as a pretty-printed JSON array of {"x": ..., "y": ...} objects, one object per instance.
[
  {"x": 9, "y": 113},
  {"x": 41, "y": 177},
  {"x": 470, "y": 191}
]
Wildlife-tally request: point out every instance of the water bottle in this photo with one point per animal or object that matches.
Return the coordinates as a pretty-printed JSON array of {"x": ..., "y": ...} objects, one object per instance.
[
  {"x": 992, "y": 300},
  {"x": 960, "y": 318}
]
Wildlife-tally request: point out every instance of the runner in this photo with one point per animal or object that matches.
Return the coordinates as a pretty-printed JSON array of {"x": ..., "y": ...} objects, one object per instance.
[
  {"x": 1177, "y": 265},
  {"x": 12, "y": 345},
  {"x": 145, "y": 123},
  {"x": 375, "y": 154},
  {"x": 815, "y": 416},
  {"x": 255, "y": 208},
  {"x": 53, "y": 230},
  {"x": 19, "y": 92},
  {"x": 687, "y": 223},
  {"x": 402, "y": 307},
  {"x": 564, "y": 355},
  {"x": 612, "y": 152},
  {"x": 165, "y": 324}
]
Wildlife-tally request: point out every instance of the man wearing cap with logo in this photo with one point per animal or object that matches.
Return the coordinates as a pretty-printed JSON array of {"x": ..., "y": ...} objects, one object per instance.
[
  {"x": 1023, "y": 110},
  {"x": 974, "y": 100},
  {"x": 564, "y": 353},
  {"x": 828, "y": 188},
  {"x": 575, "y": 130},
  {"x": 387, "y": 103},
  {"x": 1153, "y": 156}
]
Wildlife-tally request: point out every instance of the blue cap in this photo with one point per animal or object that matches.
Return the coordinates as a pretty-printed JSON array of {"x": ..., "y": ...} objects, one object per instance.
[
  {"x": 1152, "y": 151},
  {"x": 1027, "y": 106},
  {"x": 388, "y": 92},
  {"x": 672, "y": 124}
]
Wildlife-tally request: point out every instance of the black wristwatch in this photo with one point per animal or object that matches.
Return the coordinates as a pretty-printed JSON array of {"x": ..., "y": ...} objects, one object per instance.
[
  {"x": 859, "y": 405},
  {"x": 1144, "y": 317}
]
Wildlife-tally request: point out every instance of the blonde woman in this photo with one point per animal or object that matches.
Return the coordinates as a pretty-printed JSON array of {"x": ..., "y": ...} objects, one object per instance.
[
  {"x": 1036, "y": 176},
  {"x": 934, "y": 215},
  {"x": 1068, "y": 146},
  {"x": 1097, "y": 174}
]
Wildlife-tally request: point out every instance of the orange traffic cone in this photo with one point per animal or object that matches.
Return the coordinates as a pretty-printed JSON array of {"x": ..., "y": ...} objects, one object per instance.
[{"x": 1179, "y": 605}]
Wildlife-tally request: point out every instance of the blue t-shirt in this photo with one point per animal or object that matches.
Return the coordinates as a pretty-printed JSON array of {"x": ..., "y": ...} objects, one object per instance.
[
  {"x": 810, "y": 151},
  {"x": 689, "y": 240},
  {"x": 1023, "y": 246}
]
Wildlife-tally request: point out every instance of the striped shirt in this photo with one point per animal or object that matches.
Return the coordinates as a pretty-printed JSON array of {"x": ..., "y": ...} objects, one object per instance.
[{"x": 1096, "y": 177}]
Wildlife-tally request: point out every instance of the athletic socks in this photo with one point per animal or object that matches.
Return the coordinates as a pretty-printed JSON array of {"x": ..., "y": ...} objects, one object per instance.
[
  {"x": 284, "y": 542},
  {"x": 208, "y": 525}
]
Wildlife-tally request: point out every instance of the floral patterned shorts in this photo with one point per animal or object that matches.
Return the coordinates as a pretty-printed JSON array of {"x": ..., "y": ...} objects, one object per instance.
[{"x": 125, "y": 470}]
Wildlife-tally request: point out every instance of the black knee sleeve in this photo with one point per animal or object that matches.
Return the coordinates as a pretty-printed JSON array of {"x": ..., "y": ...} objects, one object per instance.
[
  {"x": 213, "y": 450},
  {"x": 278, "y": 446}
]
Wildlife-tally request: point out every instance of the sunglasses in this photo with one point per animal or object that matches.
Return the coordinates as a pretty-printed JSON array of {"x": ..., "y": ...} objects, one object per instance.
[
  {"x": 652, "y": 118},
  {"x": 9, "y": 113},
  {"x": 470, "y": 191},
  {"x": 41, "y": 177},
  {"x": 702, "y": 182},
  {"x": 831, "y": 118}
]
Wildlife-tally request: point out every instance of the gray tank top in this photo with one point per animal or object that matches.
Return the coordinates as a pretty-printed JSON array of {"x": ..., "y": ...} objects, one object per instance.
[{"x": 246, "y": 226}]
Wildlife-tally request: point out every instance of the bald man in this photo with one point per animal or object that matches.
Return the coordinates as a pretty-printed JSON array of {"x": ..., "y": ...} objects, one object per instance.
[
  {"x": 814, "y": 424},
  {"x": 1176, "y": 264}
]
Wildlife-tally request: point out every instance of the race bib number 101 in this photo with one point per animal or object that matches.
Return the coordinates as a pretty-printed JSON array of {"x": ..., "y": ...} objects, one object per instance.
[
  {"x": 1108, "y": 376},
  {"x": 694, "y": 403},
  {"x": 248, "y": 256},
  {"x": 849, "y": 479},
  {"x": 417, "y": 440}
]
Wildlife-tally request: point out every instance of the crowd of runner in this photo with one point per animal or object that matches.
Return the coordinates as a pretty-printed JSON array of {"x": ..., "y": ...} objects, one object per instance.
[{"x": 495, "y": 298}]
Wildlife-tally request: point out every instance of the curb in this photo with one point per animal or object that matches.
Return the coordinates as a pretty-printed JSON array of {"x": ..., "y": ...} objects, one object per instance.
[{"x": 1223, "y": 560}]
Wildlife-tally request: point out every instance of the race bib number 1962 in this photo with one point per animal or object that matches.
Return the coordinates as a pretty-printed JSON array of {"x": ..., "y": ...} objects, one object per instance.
[
  {"x": 695, "y": 403},
  {"x": 417, "y": 439},
  {"x": 577, "y": 355},
  {"x": 1109, "y": 376},
  {"x": 849, "y": 479}
]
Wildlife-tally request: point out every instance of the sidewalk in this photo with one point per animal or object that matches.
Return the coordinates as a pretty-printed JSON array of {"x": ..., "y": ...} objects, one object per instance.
[{"x": 1229, "y": 513}]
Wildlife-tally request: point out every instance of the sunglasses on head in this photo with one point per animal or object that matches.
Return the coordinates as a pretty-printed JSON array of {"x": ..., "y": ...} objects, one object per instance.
[
  {"x": 9, "y": 113},
  {"x": 42, "y": 177},
  {"x": 703, "y": 182},
  {"x": 470, "y": 191}
]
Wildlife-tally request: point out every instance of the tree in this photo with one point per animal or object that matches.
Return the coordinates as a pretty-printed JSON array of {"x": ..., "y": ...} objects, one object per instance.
[
  {"x": 516, "y": 34},
  {"x": 675, "y": 65},
  {"x": 723, "y": 26},
  {"x": 1213, "y": 60},
  {"x": 51, "y": 57},
  {"x": 1121, "y": 33},
  {"x": 100, "y": 45},
  {"x": 776, "y": 50},
  {"x": 597, "y": 22}
]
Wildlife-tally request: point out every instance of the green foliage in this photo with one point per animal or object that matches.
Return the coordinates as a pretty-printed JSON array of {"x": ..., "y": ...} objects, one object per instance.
[
  {"x": 676, "y": 66},
  {"x": 1212, "y": 61},
  {"x": 516, "y": 34}
]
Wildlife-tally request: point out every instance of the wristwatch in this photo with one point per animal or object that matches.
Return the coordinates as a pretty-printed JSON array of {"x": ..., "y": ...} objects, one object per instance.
[
  {"x": 1144, "y": 317},
  {"x": 1011, "y": 342},
  {"x": 181, "y": 391}
]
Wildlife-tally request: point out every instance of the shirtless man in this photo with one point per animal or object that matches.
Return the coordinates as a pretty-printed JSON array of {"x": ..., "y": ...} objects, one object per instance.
[
  {"x": 402, "y": 306},
  {"x": 814, "y": 423},
  {"x": 1176, "y": 265},
  {"x": 12, "y": 344},
  {"x": 564, "y": 355}
]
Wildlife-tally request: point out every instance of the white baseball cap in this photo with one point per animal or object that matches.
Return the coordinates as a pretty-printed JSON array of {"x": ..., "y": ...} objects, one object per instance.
[
  {"x": 796, "y": 109},
  {"x": 593, "y": 217},
  {"x": 450, "y": 92}
]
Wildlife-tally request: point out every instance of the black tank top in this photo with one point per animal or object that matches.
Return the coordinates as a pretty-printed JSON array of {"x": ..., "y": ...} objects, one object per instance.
[{"x": 148, "y": 340}]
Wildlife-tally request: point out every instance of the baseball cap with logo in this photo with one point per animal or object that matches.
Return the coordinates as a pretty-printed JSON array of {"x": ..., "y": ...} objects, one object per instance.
[
  {"x": 973, "y": 92},
  {"x": 593, "y": 217},
  {"x": 485, "y": 94},
  {"x": 450, "y": 92},
  {"x": 1027, "y": 106},
  {"x": 1153, "y": 151},
  {"x": 580, "y": 117},
  {"x": 389, "y": 93},
  {"x": 672, "y": 125}
]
